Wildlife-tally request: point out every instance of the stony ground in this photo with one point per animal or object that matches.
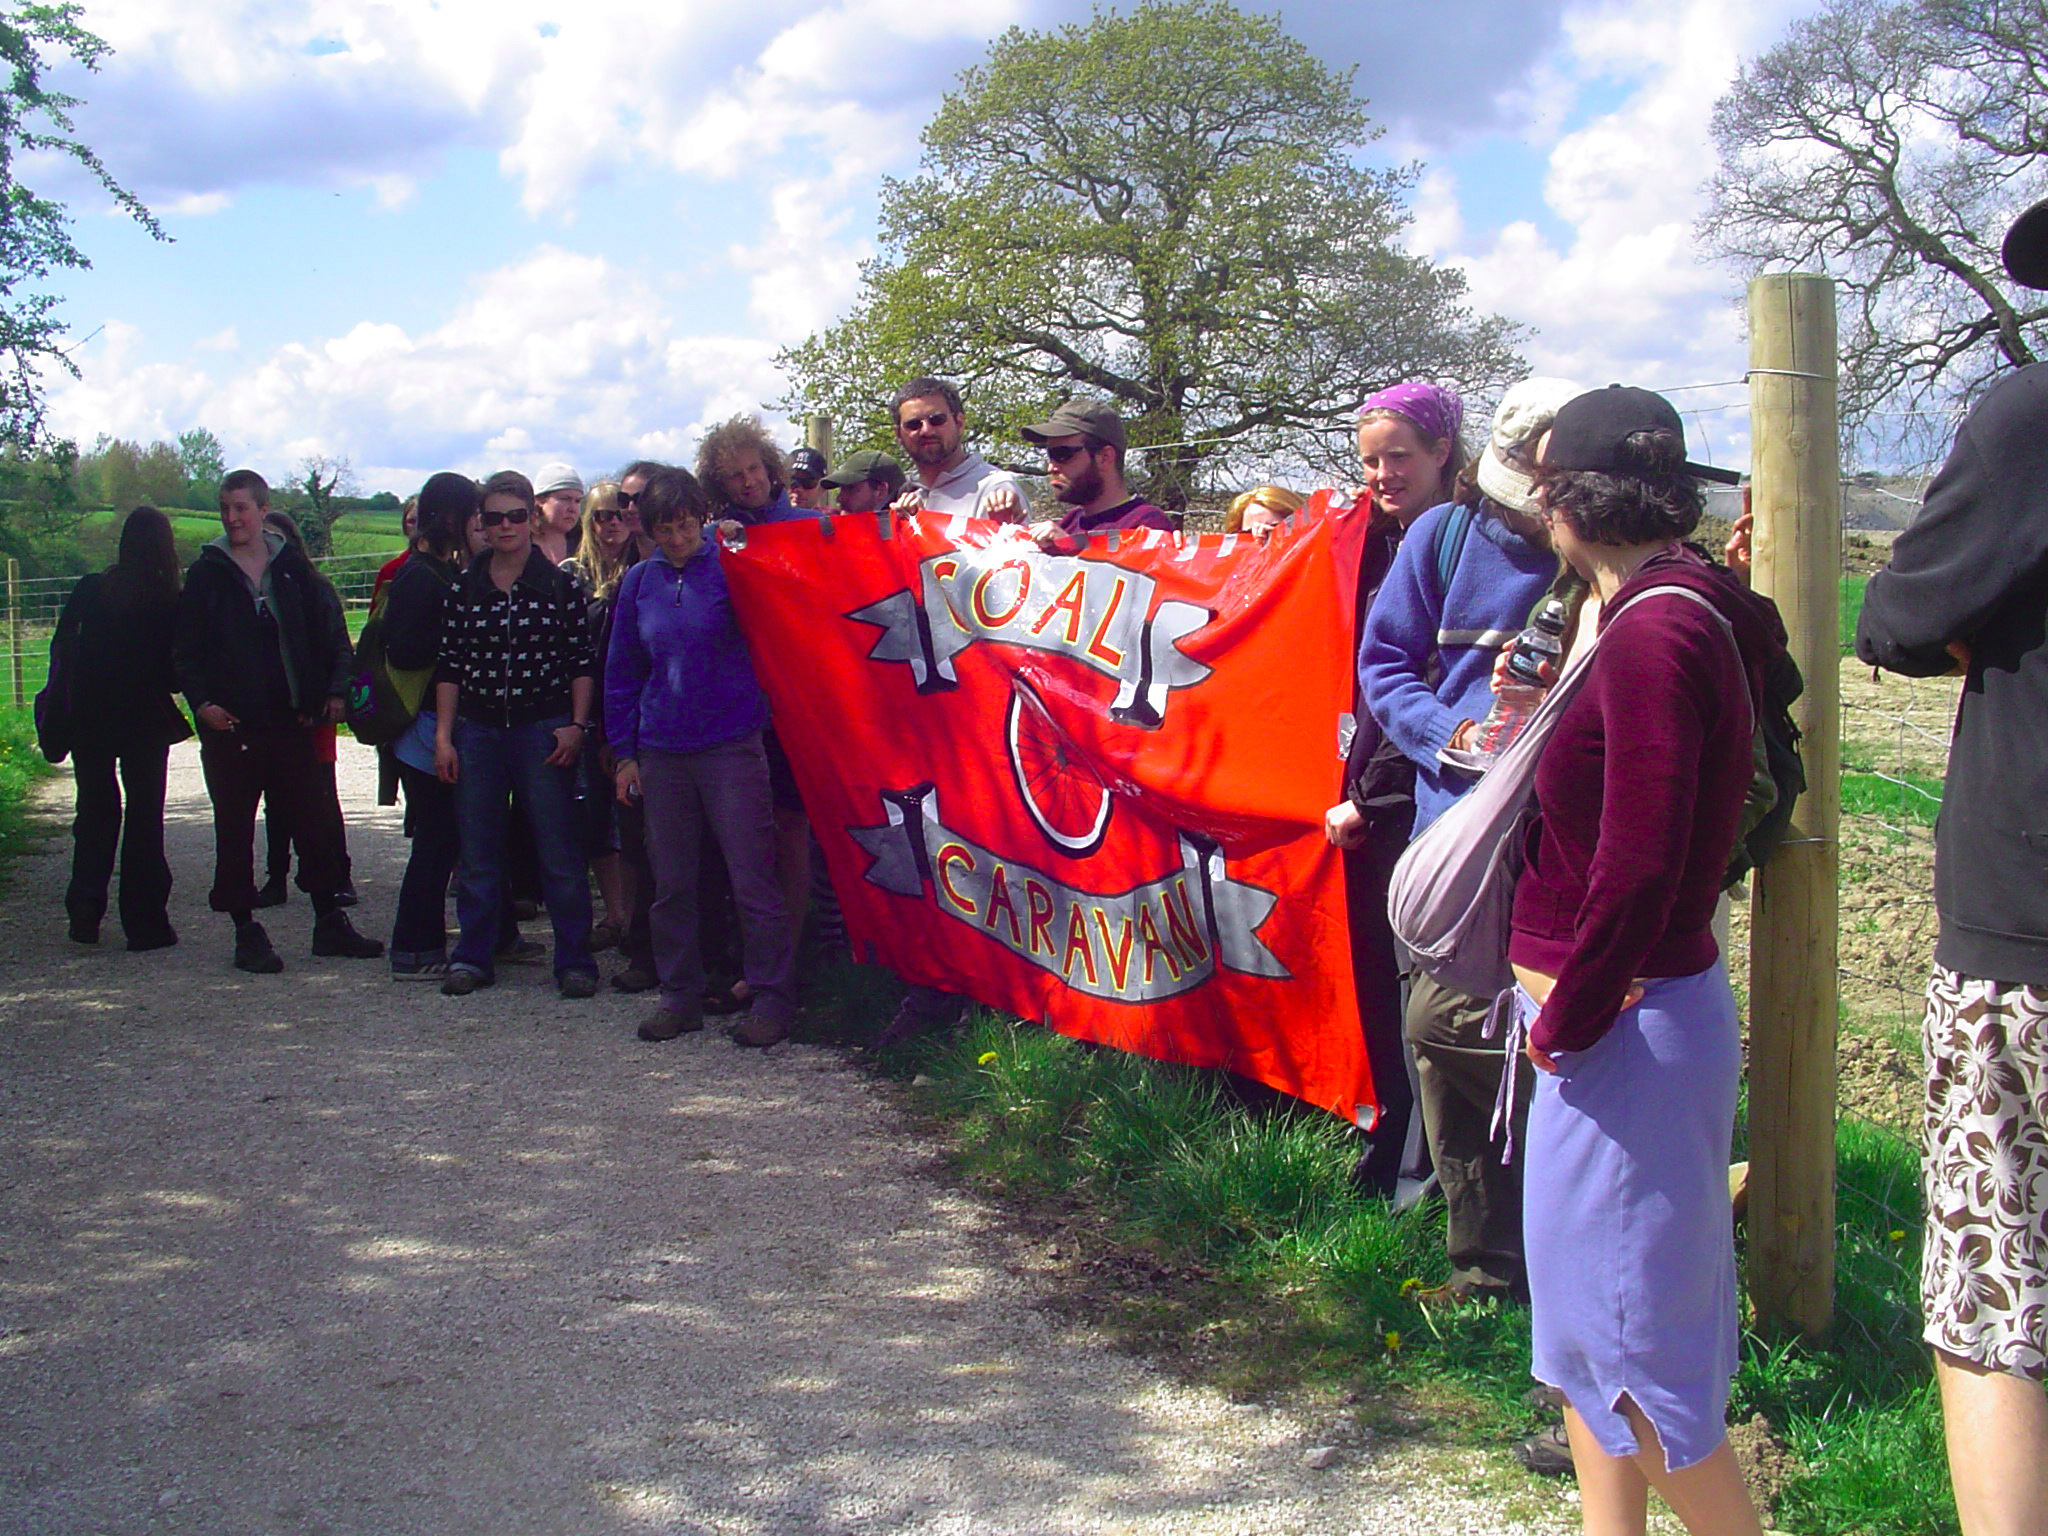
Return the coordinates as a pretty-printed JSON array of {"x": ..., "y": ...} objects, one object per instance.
[{"x": 322, "y": 1252}]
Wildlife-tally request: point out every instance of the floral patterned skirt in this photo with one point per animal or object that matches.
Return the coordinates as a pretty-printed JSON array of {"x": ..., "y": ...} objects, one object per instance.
[{"x": 1984, "y": 1260}]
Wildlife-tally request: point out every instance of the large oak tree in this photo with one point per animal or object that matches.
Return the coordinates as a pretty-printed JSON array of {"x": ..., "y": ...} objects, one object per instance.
[{"x": 1165, "y": 208}]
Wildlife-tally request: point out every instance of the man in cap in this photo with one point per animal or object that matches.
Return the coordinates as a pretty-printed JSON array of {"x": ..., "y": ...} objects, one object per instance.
[
  {"x": 1966, "y": 593},
  {"x": 806, "y": 471},
  {"x": 1084, "y": 444},
  {"x": 951, "y": 477},
  {"x": 866, "y": 481},
  {"x": 558, "y": 494}
]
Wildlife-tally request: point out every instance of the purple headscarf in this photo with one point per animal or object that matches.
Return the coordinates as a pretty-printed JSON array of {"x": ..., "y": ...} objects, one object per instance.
[{"x": 1436, "y": 412}]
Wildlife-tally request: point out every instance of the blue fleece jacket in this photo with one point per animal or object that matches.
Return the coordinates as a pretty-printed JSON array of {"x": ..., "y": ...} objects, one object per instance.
[
  {"x": 1426, "y": 660},
  {"x": 678, "y": 677}
]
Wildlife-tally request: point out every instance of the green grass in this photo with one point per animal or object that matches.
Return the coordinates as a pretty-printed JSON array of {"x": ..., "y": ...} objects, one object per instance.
[
  {"x": 1909, "y": 797},
  {"x": 21, "y": 766},
  {"x": 1852, "y": 610},
  {"x": 1290, "y": 1279}
]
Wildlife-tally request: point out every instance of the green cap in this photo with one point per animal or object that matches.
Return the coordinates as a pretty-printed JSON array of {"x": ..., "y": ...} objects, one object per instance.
[
  {"x": 1095, "y": 418},
  {"x": 858, "y": 468}
]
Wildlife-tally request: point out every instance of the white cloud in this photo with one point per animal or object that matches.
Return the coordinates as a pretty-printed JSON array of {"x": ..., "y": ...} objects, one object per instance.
[{"x": 559, "y": 353}]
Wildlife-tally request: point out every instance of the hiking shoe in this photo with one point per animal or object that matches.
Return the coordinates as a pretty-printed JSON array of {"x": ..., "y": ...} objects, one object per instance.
[
  {"x": 274, "y": 892},
  {"x": 346, "y": 896},
  {"x": 720, "y": 1001},
  {"x": 84, "y": 930},
  {"x": 253, "y": 952},
  {"x": 335, "y": 936},
  {"x": 665, "y": 1024},
  {"x": 1547, "y": 1453},
  {"x": 759, "y": 1032},
  {"x": 606, "y": 935},
  {"x": 523, "y": 952},
  {"x": 154, "y": 938},
  {"x": 462, "y": 981},
  {"x": 636, "y": 978},
  {"x": 579, "y": 984},
  {"x": 429, "y": 969}
]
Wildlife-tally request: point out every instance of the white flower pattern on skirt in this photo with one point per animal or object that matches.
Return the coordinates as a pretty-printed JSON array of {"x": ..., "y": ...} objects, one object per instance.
[{"x": 1984, "y": 1262}]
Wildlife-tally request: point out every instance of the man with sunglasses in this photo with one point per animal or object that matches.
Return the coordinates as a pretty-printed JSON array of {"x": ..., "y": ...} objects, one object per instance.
[
  {"x": 806, "y": 474},
  {"x": 1084, "y": 444},
  {"x": 951, "y": 477}
]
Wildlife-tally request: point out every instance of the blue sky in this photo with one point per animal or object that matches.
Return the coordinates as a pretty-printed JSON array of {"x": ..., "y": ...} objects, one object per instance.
[{"x": 471, "y": 235}]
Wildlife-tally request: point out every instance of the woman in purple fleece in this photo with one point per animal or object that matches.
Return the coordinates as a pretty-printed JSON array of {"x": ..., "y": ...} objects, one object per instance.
[
  {"x": 684, "y": 716},
  {"x": 1629, "y": 1018}
]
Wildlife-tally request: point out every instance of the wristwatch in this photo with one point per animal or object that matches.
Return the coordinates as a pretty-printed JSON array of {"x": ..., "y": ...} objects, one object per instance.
[{"x": 582, "y": 725}]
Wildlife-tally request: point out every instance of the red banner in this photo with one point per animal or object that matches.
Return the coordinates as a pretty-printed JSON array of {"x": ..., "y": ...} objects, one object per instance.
[{"x": 1087, "y": 789}]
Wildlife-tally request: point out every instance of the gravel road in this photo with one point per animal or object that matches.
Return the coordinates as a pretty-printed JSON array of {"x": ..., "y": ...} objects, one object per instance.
[{"x": 321, "y": 1252}]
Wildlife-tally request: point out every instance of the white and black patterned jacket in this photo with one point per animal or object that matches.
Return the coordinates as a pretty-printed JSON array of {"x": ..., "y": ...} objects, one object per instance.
[{"x": 512, "y": 655}]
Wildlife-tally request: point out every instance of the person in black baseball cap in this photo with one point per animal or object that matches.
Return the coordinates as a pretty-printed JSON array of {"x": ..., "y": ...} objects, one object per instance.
[
  {"x": 1593, "y": 431},
  {"x": 806, "y": 476},
  {"x": 1966, "y": 593}
]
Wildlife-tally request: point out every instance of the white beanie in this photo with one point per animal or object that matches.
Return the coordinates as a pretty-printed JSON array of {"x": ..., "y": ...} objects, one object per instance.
[
  {"x": 556, "y": 477},
  {"x": 1524, "y": 415}
]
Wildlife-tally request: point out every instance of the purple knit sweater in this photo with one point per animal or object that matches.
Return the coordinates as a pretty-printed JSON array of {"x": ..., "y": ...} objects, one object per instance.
[{"x": 1640, "y": 792}]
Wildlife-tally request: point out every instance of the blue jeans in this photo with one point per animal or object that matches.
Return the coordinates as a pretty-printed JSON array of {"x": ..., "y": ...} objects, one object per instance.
[{"x": 496, "y": 761}]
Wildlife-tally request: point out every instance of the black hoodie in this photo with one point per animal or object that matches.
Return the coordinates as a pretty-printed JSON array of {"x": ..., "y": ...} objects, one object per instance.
[{"x": 1973, "y": 568}]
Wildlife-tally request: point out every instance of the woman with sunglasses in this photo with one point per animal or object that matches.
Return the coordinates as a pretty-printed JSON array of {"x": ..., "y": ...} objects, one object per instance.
[
  {"x": 512, "y": 709},
  {"x": 610, "y": 545}
]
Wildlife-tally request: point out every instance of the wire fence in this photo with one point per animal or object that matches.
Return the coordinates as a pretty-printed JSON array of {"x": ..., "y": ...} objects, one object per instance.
[{"x": 34, "y": 603}]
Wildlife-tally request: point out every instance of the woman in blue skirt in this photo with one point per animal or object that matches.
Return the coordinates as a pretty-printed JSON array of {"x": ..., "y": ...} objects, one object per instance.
[{"x": 1624, "y": 999}]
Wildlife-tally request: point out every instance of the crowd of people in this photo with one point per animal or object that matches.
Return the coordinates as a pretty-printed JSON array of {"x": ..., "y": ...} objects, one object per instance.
[{"x": 587, "y": 714}]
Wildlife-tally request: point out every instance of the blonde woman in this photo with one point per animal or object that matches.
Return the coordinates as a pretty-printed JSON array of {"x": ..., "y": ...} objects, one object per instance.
[{"x": 1260, "y": 510}]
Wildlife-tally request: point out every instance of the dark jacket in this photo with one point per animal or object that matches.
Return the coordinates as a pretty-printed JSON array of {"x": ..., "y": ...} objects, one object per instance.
[
  {"x": 122, "y": 678},
  {"x": 413, "y": 604},
  {"x": 1973, "y": 567},
  {"x": 512, "y": 655},
  {"x": 1379, "y": 778},
  {"x": 219, "y": 646}
]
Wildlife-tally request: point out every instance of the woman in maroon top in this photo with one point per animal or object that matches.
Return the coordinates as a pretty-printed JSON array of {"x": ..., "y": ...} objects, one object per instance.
[{"x": 1628, "y": 1013}]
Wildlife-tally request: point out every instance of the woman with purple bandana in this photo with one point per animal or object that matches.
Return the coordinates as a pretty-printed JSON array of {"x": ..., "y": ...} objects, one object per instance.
[{"x": 1408, "y": 445}]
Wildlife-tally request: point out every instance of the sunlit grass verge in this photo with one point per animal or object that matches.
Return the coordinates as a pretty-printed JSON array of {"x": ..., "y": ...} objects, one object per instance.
[
  {"x": 21, "y": 766},
  {"x": 1285, "y": 1276}
]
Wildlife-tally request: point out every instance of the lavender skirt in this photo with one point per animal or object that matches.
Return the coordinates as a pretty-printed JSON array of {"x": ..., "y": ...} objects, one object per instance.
[{"x": 1631, "y": 1248}]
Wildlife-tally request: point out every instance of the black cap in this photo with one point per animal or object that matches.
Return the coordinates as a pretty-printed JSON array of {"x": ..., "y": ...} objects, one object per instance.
[
  {"x": 1091, "y": 418},
  {"x": 1591, "y": 432},
  {"x": 2026, "y": 247},
  {"x": 807, "y": 462}
]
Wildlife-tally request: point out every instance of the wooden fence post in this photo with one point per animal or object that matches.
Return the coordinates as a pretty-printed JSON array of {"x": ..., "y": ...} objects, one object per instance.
[
  {"x": 1797, "y": 497},
  {"x": 14, "y": 628},
  {"x": 818, "y": 435}
]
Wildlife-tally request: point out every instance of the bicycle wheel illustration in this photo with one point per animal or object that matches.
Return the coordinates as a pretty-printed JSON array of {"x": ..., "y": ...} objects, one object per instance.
[{"x": 1066, "y": 798}]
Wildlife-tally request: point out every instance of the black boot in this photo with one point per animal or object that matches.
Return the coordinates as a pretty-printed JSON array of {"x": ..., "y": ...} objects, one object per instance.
[
  {"x": 335, "y": 935},
  {"x": 253, "y": 952},
  {"x": 274, "y": 892}
]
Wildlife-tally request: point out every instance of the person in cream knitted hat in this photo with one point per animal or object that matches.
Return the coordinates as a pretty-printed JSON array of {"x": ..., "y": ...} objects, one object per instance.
[{"x": 1524, "y": 415}]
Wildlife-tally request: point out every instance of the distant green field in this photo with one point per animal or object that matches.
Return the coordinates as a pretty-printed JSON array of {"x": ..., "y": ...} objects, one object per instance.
[
  {"x": 1852, "y": 609},
  {"x": 355, "y": 533}
]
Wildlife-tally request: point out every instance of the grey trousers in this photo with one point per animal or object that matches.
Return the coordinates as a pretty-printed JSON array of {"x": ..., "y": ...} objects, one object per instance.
[
  {"x": 721, "y": 792},
  {"x": 1458, "y": 1070}
]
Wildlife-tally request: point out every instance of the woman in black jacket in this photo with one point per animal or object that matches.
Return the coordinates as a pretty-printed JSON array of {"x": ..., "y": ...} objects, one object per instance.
[
  {"x": 117, "y": 626},
  {"x": 262, "y": 656}
]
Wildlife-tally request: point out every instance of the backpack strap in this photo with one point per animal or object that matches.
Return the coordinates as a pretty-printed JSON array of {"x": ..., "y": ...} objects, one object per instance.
[{"x": 1449, "y": 544}]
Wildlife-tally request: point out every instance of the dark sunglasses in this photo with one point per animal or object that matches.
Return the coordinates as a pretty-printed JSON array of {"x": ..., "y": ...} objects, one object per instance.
[
  {"x": 627, "y": 498},
  {"x": 934, "y": 422},
  {"x": 609, "y": 515},
  {"x": 803, "y": 482},
  {"x": 492, "y": 519},
  {"x": 1065, "y": 451}
]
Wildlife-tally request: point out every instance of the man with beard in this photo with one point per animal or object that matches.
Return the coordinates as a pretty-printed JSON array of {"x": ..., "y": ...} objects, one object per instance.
[
  {"x": 1084, "y": 450},
  {"x": 866, "y": 481},
  {"x": 951, "y": 477}
]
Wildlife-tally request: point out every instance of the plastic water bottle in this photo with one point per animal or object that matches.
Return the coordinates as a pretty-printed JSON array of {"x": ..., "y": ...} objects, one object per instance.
[{"x": 1516, "y": 700}]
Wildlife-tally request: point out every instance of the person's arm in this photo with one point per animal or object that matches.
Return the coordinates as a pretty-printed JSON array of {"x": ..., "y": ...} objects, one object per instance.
[
  {"x": 1658, "y": 677},
  {"x": 447, "y": 766},
  {"x": 1398, "y": 646},
  {"x": 627, "y": 667},
  {"x": 1978, "y": 538},
  {"x": 341, "y": 650},
  {"x": 194, "y": 650}
]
